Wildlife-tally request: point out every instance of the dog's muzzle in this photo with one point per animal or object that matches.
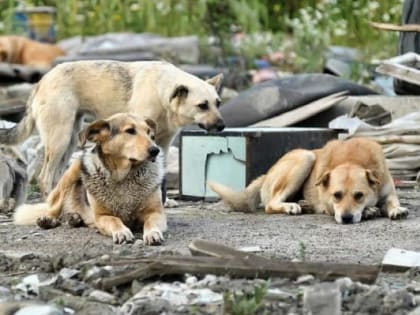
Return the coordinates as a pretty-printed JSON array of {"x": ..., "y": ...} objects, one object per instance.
[
  {"x": 347, "y": 219},
  {"x": 153, "y": 152},
  {"x": 218, "y": 126}
]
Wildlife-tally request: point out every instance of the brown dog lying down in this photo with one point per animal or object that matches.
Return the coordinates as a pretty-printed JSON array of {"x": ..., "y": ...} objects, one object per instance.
[
  {"x": 24, "y": 51},
  {"x": 113, "y": 186},
  {"x": 341, "y": 179}
]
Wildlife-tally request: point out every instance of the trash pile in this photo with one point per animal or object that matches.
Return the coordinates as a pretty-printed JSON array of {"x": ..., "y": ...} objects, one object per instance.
[
  {"x": 399, "y": 139},
  {"x": 64, "y": 285}
]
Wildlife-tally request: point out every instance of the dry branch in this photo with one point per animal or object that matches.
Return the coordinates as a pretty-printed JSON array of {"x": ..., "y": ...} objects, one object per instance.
[
  {"x": 234, "y": 263},
  {"x": 395, "y": 27}
]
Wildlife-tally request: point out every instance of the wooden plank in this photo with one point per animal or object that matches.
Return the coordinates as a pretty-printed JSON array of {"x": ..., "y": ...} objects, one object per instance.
[
  {"x": 225, "y": 260},
  {"x": 401, "y": 72},
  {"x": 409, "y": 139},
  {"x": 396, "y": 259},
  {"x": 12, "y": 106},
  {"x": 243, "y": 268},
  {"x": 395, "y": 27},
  {"x": 301, "y": 113}
]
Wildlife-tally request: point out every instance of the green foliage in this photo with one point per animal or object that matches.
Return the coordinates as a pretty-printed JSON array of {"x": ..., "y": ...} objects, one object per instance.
[
  {"x": 33, "y": 191},
  {"x": 302, "y": 251},
  {"x": 344, "y": 22},
  {"x": 166, "y": 17},
  {"x": 302, "y": 29},
  {"x": 245, "y": 304}
]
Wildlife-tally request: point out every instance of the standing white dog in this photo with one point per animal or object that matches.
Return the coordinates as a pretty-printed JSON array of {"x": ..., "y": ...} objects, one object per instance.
[{"x": 156, "y": 90}]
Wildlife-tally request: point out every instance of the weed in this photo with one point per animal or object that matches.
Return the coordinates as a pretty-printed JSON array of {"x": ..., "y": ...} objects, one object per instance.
[
  {"x": 302, "y": 251},
  {"x": 245, "y": 304}
]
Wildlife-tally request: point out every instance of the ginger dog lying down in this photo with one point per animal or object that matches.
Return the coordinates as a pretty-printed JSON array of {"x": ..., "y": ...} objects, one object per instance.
[
  {"x": 21, "y": 50},
  {"x": 341, "y": 179},
  {"x": 112, "y": 186}
]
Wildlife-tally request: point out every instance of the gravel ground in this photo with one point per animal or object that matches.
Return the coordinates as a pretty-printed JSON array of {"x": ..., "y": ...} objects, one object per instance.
[
  {"x": 29, "y": 250},
  {"x": 277, "y": 235}
]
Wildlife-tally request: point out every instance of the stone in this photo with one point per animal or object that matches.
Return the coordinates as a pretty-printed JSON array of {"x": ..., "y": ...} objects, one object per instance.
[
  {"x": 5, "y": 294},
  {"x": 305, "y": 279},
  {"x": 280, "y": 295},
  {"x": 398, "y": 300},
  {"x": 102, "y": 296},
  {"x": 208, "y": 280},
  {"x": 68, "y": 273},
  {"x": 161, "y": 297},
  {"x": 72, "y": 286},
  {"x": 39, "y": 310},
  {"x": 416, "y": 311},
  {"x": 322, "y": 298},
  {"x": 344, "y": 283},
  {"x": 144, "y": 306},
  {"x": 95, "y": 273},
  {"x": 367, "y": 301},
  {"x": 191, "y": 281},
  {"x": 29, "y": 285},
  {"x": 82, "y": 306}
]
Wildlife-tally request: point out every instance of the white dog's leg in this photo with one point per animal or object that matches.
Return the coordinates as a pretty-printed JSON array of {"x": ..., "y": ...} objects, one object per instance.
[{"x": 56, "y": 141}]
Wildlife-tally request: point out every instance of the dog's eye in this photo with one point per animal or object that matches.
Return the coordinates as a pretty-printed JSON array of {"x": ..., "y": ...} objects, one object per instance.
[
  {"x": 204, "y": 106},
  {"x": 338, "y": 195},
  {"x": 130, "y": 131},
  {"x": 149, "y": 132},
  {"x": 358, "y": 196},
  {"x": 218, "y": 102}
]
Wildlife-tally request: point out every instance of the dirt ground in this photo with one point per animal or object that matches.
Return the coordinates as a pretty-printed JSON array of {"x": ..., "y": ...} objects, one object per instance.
[
  {"x": 282, "y": 236},
  {"x": 47, "y": 253}
]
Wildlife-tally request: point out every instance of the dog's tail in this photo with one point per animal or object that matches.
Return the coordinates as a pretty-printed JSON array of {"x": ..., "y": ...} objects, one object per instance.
[
  {"x": 27, "y": 214},
  {"x": 246, "y": 200},
  {"x": 23, "y": 129}
]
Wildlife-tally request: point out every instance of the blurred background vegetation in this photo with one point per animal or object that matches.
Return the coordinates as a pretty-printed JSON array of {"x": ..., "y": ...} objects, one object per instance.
[{"x": 301, "y": 29}]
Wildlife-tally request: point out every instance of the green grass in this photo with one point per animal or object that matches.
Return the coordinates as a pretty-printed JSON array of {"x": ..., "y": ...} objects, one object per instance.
[
  {"x": 310, "y": 25},
  {"x": 245, "y": 304}
]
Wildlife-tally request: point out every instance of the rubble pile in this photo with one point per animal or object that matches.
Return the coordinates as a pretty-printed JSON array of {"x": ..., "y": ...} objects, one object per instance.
[{"x": 67, "y": 286}]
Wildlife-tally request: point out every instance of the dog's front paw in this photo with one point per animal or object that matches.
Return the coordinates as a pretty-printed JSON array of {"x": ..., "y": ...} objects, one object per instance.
[
  {"x": 75, "y": 220},
  {"x": 397, "y": 213},
  {"x": 123, "y": 236},
  {"x": 46, "y": 222},
  {"x": 153, "y": 237},
  {"x": 7, "y": 205},
  {"x": 370, "y": 213},
  {"x": 292, "y": 208},
  {"x": 171, "y": 203}
]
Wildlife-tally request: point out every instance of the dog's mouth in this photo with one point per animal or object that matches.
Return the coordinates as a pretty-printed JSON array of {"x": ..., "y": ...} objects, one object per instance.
[
  {"x": 218, "y": 126},
  {"x": 135, "y": 161},
  {"x": 348, "y": 218}
]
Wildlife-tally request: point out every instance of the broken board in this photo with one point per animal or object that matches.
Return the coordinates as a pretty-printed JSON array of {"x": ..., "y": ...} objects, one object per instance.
[
  {"x": 397, "y": 259},
  {"x": 236, "y": 156}
]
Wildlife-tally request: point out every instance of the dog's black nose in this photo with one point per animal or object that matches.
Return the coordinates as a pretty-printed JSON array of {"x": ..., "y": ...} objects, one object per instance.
[
  {"x": 220, "y": 125},
  {"x": 153, "y": 151},
  {"x": 347, "y": 218}
]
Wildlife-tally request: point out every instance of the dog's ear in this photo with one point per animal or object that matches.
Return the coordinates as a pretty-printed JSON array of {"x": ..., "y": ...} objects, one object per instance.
[
  {"x": 216, "y": 81},
  {"x": 324, "y": 179},
  {"x": 372, "y": 178},
  {"x": 181, "y": 91},
  {"x": 151, "y": 123},
  {"x": 98, "y": 131}
]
